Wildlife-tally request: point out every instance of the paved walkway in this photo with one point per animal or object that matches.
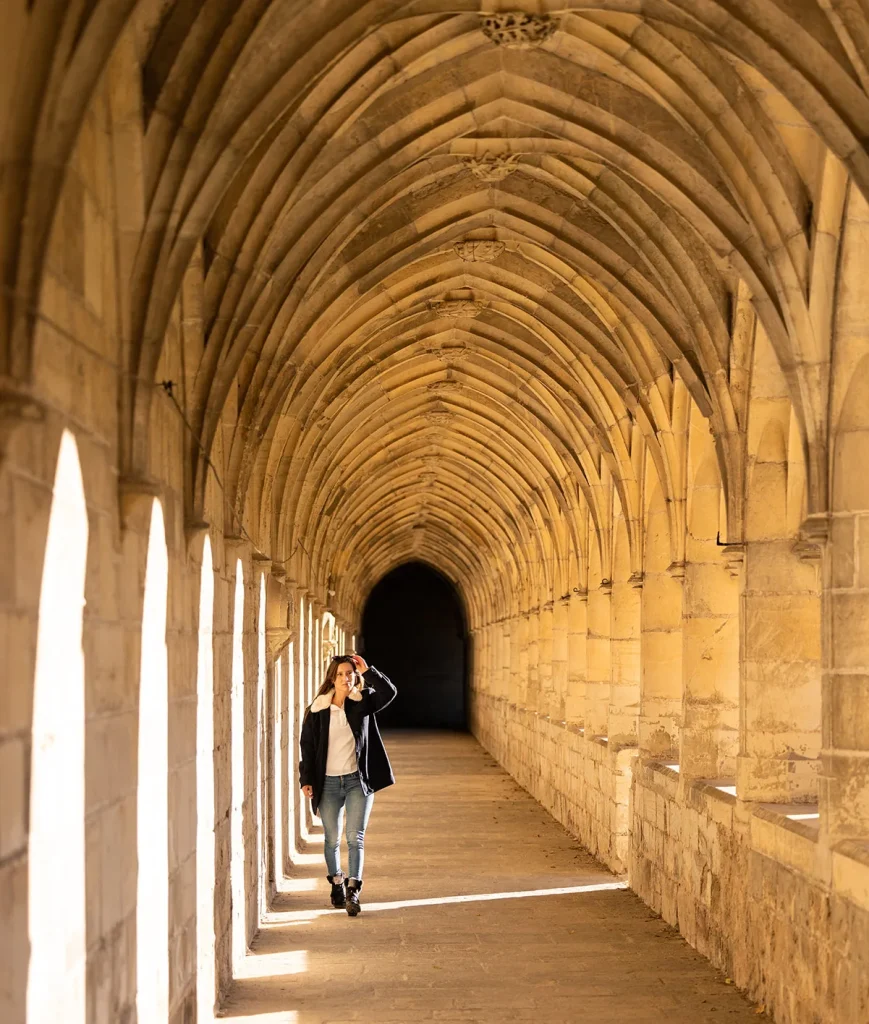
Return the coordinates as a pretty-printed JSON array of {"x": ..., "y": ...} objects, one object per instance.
[{"x": 456, "y": 825}]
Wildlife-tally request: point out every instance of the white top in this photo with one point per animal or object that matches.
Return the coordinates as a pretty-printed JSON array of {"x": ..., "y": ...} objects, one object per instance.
[{"x": 341, "y": 756}]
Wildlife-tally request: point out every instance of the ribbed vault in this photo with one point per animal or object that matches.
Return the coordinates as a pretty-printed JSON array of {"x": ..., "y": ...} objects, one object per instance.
[{"x": 461, "y": 296}]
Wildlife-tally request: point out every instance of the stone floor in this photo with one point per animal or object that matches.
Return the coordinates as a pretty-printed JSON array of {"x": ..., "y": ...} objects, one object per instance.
[{"x": 456, "y": 825}]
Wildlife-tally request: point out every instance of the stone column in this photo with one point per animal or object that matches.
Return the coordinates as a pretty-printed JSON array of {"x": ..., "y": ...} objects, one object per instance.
[
  {"x": 624, "y": 702},
  {"x": 779, "y": 720},
  {"x": 560, "y": 625},
  {"x": 577, "y": 642},
  {"x": 532, "y": 690},
  {"x": 505, "y": 654},
  {"x": 518, "y": 660},
  {"x": 522, "y": 660},
  {"x": 545, "y": 699},
  {"x": 599, "y": 660},
  {"x": 710, "y": 667},
  {"x": 483, "y": 660},
  {"x": 661, "y": 665}
]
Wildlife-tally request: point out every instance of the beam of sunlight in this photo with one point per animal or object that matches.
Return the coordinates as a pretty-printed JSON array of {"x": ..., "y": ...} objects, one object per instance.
[
  {"x": 278, "y": 1017},
  {"x": 152, "y": 886},
  {"x": 56, "y": 913},
  {"x": 288, "y": 885},
  {"x": 277, "y": 774},
  {"x": 302, "y": 860},
  {"x": 276, "y": 918},
  {"x": 205, "y": 872},
  {"x": 236, "y": 862},
  {"x": 261, "y": 732},
  {"x": 273, "y": 965}
]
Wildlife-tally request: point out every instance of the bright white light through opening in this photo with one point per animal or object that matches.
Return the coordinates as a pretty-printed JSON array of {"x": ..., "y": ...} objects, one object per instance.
[
  {"x": 277, "y": 774},
  {"x": 302, "y": 703},
  {"x": 262, "y": 827},
  {"x": 236, "y": 826},
  {"x": 56, "y": 870},
  {"x": 152, "y": 886},
  {"x": 205, "y": 981}
]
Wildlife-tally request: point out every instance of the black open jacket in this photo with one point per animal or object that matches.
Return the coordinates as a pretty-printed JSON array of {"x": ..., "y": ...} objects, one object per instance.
[{"x": 375, "y": 771}]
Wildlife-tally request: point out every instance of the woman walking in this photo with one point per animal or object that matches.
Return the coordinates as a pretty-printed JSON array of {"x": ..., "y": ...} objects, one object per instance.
[{"x": 344, "y": 763}]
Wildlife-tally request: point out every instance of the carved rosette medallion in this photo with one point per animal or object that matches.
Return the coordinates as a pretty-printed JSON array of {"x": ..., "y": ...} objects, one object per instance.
[
  {"x": 481, "y": 251},
  {"x": 518, "y": 30}
]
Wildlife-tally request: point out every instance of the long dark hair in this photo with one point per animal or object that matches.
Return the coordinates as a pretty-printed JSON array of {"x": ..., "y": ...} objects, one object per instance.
[{"x": 331, "y": 673}]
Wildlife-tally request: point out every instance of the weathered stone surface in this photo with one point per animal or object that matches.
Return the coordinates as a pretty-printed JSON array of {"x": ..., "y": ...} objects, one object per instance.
[{"x": 254, "y": 273}]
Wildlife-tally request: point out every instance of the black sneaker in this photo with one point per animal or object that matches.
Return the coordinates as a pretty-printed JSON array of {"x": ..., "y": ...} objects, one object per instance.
[
  {"x": 337, "y": 895},
  {"x": 352, "y": 886}
]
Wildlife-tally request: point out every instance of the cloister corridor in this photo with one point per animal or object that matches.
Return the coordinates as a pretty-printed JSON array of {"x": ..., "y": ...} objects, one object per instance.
[{"x": 521, "y": 347}]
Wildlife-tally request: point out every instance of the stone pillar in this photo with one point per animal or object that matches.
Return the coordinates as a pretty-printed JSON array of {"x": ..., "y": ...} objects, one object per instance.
[
  {"x": 532, "y": 690},
  {"x": 545, "y": 698},
  {"x": 623, "y": 711},
  {"x": 710, "y": 667},
  {"x": 577, "y": 642},
  {"x": 779, "y": 722},
  {"x": 522, "y": 660},
  {"x": 661, "y": 665},
  {"x": 845, "y": 680},
  {"x": 560, "y": 625},
  {"x": 599, "y": 660},
  {"x": 504, "y": 633},
  {"x": 483, "y": 660},
  {"x": 518, "y": 660}
]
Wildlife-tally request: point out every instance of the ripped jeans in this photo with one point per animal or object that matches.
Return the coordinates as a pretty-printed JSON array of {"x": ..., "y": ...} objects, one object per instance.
[{"x": 340, "y": 792}]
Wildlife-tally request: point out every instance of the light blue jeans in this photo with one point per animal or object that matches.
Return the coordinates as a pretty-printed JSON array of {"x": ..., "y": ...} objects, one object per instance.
[{"x": 342, "y": 791}]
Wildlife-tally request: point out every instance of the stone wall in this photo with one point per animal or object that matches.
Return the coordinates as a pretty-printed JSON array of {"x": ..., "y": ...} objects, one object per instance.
[
  {"x": 581, "y": 782},
  {"x": 746, "y": 886}
]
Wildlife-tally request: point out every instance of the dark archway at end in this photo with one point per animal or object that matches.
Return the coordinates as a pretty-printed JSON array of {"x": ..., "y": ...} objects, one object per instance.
[{"x": 413, "y": 629}]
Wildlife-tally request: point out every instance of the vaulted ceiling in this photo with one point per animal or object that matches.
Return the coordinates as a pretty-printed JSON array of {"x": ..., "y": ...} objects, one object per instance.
[{"x": 466, "y": 272}]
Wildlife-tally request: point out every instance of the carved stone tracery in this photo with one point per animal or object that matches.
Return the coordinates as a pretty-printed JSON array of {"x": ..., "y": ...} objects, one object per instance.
[
  {"x": 518, "y": 30},
  {"x": 478, "y": 250},
  {"x": 492, "y": 166},
  {"x": 456, "y": 308}
]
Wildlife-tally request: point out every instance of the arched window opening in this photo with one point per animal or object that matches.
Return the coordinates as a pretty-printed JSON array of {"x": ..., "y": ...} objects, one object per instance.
[
  {"x": 152, "y": 889},
  {"x": 236, "y": 824},
  {"x": 261, "y": 748},
  {"x": 56, "y": 912},
  {"x": 277, "y": 765},
  {"x": 205, "y": 793}
]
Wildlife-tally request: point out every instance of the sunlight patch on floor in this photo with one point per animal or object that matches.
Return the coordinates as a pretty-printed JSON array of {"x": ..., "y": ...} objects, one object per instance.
[
  {"x": 290, "y": 885},
  {"x": 272, "y": 965},
  {"x": 278, "y": 918},
  {"x": 280, "y": 1017}
]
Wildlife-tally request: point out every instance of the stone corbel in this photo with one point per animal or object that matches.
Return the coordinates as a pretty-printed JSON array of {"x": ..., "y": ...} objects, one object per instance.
[
  {"x": 812, "y": 537},
  {"x": 194, "y": 531},
  {"x": 677, "y": 570},
  {"x": 579, "y": 594},
  {"x": 606, "y": 586},
  {"x": 135, "y": 498},
  {"x": 16, "y": 407},
  {"x": 635, "y": 580},
  {"x": 235, "y": 547},
  {"x": 262, "y": 562},
  {"x": 734, "y": 558},
  {"x": 277, "y": 638}
]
